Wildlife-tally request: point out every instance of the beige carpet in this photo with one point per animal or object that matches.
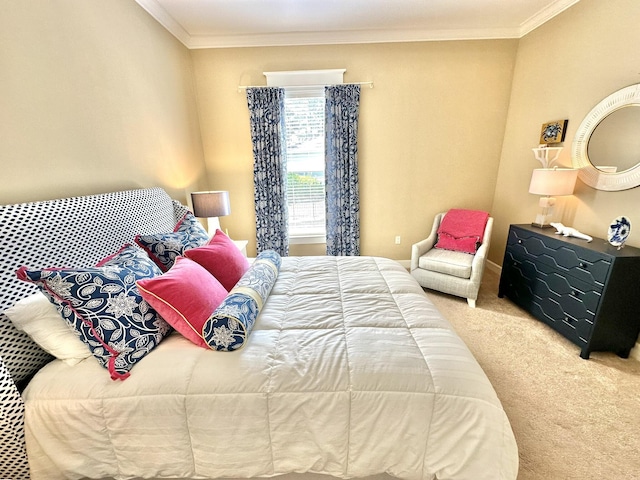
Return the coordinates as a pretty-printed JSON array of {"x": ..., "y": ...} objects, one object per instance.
[{"x": 572, "y": 418}]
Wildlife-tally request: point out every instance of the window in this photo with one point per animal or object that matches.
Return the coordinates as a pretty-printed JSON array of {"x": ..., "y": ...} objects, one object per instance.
[
  {"x": 304, "y": 144},
  {"x": 304, "y": 125}
]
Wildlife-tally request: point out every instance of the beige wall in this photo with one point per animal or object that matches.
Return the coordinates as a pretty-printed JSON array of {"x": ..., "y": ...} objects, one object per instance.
[
  {"x": 96, "y": 96},
  {"x": 430, "y": 133},
  {"x": 563, "y": 69}
]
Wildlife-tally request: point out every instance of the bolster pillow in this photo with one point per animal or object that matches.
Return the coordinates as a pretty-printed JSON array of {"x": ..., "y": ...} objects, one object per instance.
[{"x": 229, "y": 325}]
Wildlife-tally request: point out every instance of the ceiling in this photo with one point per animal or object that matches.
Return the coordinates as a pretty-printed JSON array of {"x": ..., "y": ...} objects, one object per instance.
[{"x": 247, "y": 23}]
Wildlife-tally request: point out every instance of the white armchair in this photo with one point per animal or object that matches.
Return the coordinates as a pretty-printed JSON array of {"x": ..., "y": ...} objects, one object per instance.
[{"x": 455, "y": 273}]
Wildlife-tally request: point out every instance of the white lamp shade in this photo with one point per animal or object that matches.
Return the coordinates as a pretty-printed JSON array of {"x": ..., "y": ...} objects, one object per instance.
[
  {"x": 210, "y": 204},
  {"x": 553, "y": 181}
]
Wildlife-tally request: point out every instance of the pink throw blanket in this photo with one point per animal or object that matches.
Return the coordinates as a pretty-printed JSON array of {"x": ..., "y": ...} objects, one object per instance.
[
  {"x": 464, "y": 223},
  {"x": 462, "y": 230}
]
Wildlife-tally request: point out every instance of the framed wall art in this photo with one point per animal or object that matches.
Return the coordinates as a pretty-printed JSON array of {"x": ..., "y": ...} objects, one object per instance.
[{"x": 553, "y": 132}]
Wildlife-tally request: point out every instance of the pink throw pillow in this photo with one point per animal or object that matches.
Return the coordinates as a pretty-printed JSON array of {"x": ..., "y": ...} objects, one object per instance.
[
  {"x": 221, "y": 258},
  {"x": 185, "y": 297}
]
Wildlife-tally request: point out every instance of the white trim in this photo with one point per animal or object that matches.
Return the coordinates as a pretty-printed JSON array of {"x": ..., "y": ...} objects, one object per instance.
[
  {"x": 545, "y": 15},
  {"x": 307, "y": 239},
  {"x": 156, "y": 10},
  {"x": 301, "y": 78},
  {"x": 494, "y": 267},
  {"x": 347, "y": 37}
]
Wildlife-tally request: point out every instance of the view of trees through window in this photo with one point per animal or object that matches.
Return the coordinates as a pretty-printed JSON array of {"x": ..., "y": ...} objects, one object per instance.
[{"x": 304, "y": 119}]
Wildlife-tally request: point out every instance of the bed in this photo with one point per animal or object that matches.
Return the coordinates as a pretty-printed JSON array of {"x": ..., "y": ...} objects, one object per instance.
[{"x": 348, "y": 371}]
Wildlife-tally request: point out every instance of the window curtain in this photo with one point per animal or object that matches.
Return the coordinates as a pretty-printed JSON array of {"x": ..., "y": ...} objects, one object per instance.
[
  {"x": 341, "y": 169},
  {"x": 266, "y": 112}
]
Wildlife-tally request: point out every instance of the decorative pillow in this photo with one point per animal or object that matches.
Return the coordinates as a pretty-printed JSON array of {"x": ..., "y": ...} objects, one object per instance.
[
  {"x": 104, "y": 306},
  {"x": 222, "y": 259},
  {"x": 230, "y": 324},
  {"x": 185, "y": 296},
  {"x": 41, "y": 320},
  {"x": 163, "y": 248}
]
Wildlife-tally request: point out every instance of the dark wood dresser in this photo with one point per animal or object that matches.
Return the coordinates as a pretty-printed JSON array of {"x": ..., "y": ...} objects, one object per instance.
[{"x": 587, "y": 291}]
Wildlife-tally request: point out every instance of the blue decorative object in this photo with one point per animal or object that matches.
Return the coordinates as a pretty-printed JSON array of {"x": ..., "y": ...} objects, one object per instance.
[
  {"x": 341, "y": 172},
  {"x": 104, "y": 306},
  {"x": 266, "y": 107},
  {"x": 619, "y": 230},
  {"x": 230, "y": 324},
  {"x": 163, "y": 248}
]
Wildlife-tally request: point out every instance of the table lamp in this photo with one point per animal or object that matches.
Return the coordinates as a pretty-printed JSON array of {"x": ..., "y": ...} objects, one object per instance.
[
  {"x": 550, "y": 183},
  {"x": 211, "y": 205}
]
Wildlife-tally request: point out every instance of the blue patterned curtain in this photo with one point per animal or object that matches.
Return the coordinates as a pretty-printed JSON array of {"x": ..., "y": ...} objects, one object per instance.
[
  {"x": 341, "y": 169},
  {"x": 266, "y": 111}
]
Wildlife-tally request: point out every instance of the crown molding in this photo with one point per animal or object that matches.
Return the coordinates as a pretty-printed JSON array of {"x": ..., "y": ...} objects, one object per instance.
[
  {"x": 346, "y": 37},
  {"x": 154, "y": 9},
  {"x": 545, "y": 15}
]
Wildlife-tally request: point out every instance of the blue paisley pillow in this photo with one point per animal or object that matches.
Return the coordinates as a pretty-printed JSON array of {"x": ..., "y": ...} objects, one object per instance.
[
  {"x": 230, "y": 324},
  {"x": 163, "y": 248},
  {"x": 104, "y": 305}
]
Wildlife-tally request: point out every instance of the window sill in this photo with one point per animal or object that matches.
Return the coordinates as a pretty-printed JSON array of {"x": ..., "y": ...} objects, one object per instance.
[{"x": 306, "y": 239}]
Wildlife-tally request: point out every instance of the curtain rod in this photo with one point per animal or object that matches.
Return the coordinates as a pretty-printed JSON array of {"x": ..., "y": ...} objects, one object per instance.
[{"x": 244, "y": 87}]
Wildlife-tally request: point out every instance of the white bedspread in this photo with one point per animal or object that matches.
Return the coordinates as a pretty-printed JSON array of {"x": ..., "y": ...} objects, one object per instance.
[{"x": 349, "y": 371}]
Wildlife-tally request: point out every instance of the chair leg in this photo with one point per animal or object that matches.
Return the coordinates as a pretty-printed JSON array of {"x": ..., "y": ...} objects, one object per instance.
[{"x": 471, "y": 302}]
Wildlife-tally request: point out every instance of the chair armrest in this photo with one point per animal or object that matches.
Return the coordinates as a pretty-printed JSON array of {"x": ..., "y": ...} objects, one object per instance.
[
  {"x": 419, "y": 249},
  {"x": 423, "y": 246},
  {"x": 480, "y": 258}
]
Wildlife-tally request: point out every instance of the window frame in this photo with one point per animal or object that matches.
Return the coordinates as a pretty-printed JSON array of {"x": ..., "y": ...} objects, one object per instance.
[{"x": 300, "y": 83}]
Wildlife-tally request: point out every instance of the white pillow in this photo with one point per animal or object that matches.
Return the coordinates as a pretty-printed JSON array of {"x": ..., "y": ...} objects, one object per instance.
[{"x": 39, "y": 318}]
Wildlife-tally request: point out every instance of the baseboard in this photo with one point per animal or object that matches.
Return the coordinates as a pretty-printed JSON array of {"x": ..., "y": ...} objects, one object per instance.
[{"x": 494, "y": 267}]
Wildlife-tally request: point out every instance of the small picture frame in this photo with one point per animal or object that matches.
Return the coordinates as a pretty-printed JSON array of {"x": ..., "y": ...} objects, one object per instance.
[{"x": 553, "y": 132}]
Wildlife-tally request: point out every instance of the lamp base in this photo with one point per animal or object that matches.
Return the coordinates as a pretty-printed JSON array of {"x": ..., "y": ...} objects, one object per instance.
[
  {"x": 543, "y": 219},
  {"x": 213, "y": 224}
]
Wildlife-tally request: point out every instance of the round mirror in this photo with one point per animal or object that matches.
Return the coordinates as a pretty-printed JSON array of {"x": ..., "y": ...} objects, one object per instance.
[
  {"x": 614, "y": 145},
  {"x": 606, "y": 148}
]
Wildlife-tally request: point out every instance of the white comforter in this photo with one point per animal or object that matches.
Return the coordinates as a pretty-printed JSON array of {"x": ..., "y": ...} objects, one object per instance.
[{"x": 349, "y": 371}]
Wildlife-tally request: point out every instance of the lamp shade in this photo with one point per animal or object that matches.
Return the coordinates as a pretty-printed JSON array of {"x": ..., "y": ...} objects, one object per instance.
[
  {"x": 210, "y": 204},
  {"x": 553, "y": 181}
]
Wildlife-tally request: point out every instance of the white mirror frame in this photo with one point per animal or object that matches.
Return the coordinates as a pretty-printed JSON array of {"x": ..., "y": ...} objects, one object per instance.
[{"x": 588, "y": 173}]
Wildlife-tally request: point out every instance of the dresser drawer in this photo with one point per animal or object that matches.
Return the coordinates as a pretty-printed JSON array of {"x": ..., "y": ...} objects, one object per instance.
[
  {"x": 563, "y": 302},
  {"x": 583, "y": 264},
  {"x": 553, "y": 282}
]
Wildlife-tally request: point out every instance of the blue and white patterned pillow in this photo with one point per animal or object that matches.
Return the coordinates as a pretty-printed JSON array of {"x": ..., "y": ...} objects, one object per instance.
[
  {"x": 104, "y": 306},
  {"x": 229, "y": 326},
  {"x": 163, "y": 248}
]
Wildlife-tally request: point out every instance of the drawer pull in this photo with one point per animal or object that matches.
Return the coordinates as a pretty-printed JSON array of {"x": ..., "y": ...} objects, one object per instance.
[
  {"x": 520, "y": 241},
  {"x": 574, "y": 293},
  {"x": 583, "y": 265}
]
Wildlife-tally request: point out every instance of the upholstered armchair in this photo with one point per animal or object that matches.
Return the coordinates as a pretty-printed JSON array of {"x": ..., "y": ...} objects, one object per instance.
[{"x": 451, "y": 272}]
